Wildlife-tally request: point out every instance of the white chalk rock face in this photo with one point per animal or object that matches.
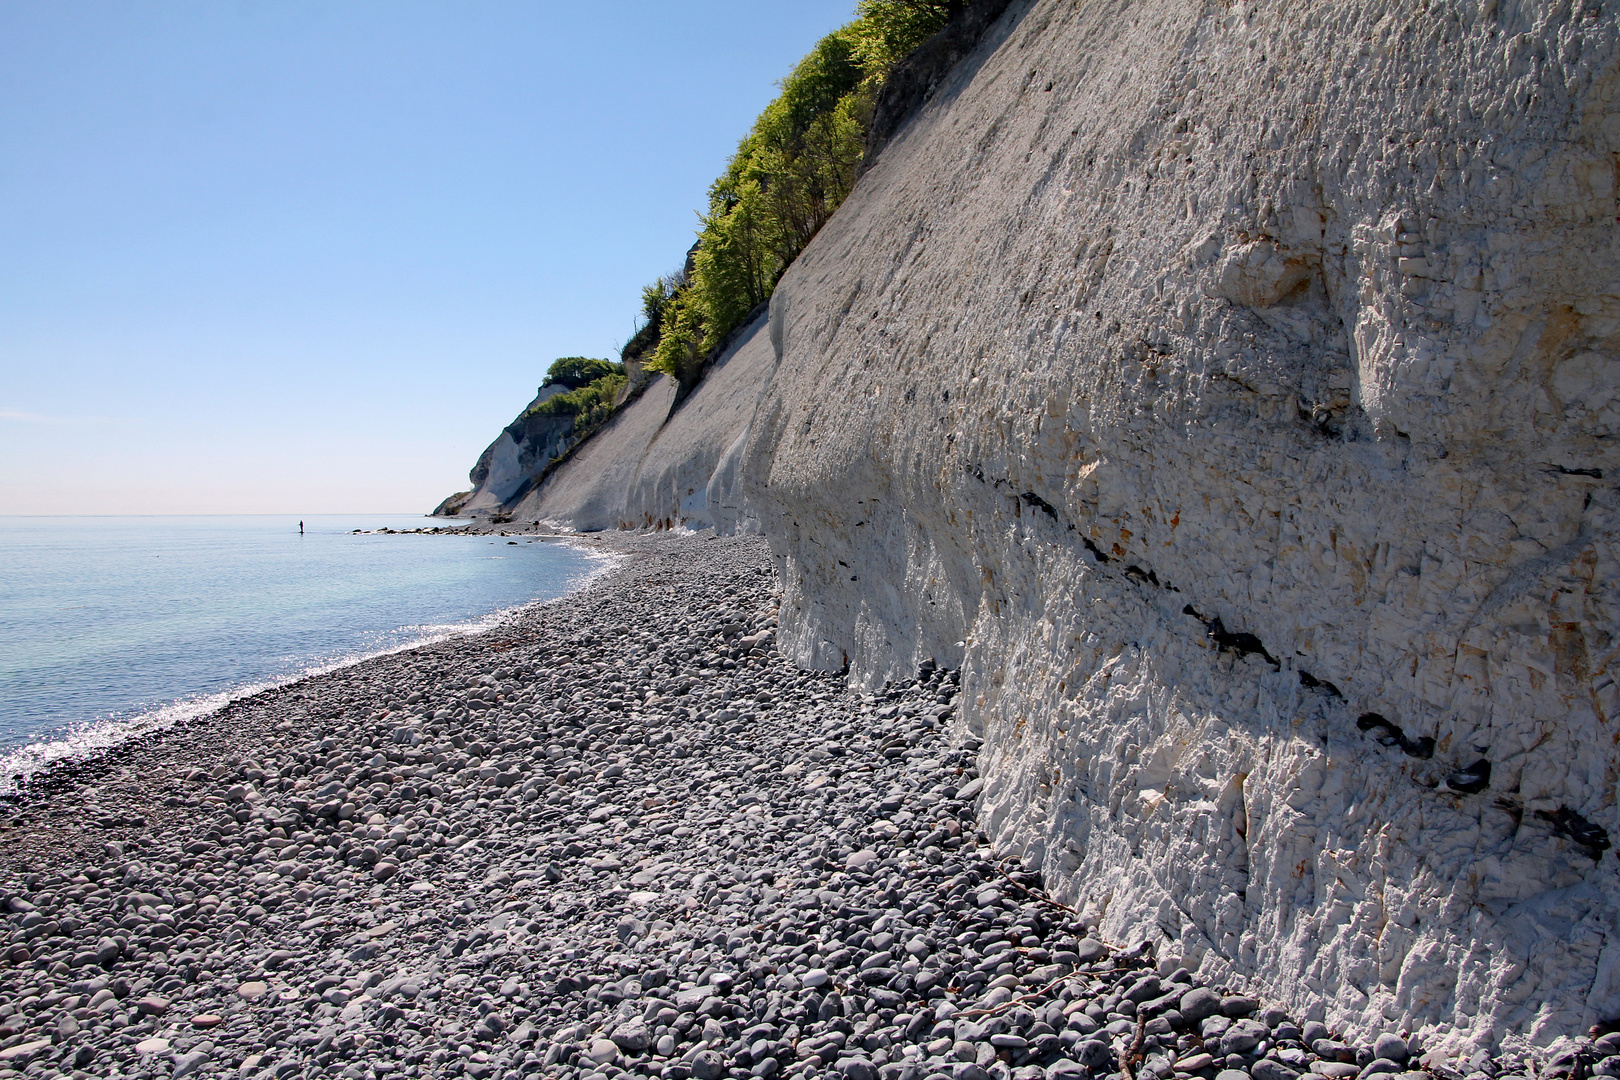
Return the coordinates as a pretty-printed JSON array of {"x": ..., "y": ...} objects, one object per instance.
[
  {"x": 1234, "y": 391},
  {"x": 501, "y": 475},
  {"x": 677, "y": 484},
  {"x": 588, "y": 491},
  {"x": 509, "y": 465},
  {"x": 660, "y": 464}
]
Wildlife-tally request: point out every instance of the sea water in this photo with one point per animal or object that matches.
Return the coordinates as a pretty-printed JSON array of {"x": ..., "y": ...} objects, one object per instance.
[{"x": 110, "y": 626}]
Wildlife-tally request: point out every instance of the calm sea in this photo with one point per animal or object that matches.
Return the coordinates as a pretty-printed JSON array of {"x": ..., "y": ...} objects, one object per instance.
[{"x": 114, "y": 625}]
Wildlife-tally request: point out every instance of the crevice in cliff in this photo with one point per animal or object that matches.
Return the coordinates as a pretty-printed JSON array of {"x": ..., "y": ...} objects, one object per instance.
[
  {"x": 1240, "y": 643},
  {"x": 1591, "y": 838},
  {"x": 1471, "y": 780},
  {"x": 1132, "y": 571},
  {"x": 1390, "y": 734},
  {"x": 1145, "y": 577},
  {"x": 1311, "y": 682},
  {"x": 1039, "y": 503}
]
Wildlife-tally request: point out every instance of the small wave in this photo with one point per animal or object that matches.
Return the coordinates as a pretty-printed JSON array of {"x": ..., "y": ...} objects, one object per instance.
[{"x": 97, "y": 736}]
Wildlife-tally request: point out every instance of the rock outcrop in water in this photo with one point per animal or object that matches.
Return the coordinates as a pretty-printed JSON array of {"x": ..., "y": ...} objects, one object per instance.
[{"x": 1232, "y": 393}]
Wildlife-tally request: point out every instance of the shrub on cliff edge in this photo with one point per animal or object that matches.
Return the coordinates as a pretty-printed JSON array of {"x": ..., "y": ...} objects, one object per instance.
[
  {"x": 789, "y": 174},
  {"x": 577, "y": 371}
]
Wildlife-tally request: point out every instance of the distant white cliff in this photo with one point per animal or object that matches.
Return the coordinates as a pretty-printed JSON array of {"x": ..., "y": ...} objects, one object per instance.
[{"x": 660, "y": 464}]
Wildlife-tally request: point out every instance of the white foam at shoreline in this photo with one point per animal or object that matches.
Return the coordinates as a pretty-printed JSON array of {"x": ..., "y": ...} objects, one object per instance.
[{"x": 92, "y": 737}]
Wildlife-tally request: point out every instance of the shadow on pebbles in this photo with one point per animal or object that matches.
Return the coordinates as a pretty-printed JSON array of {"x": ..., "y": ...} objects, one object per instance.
[{"x": 617, "y": 835}]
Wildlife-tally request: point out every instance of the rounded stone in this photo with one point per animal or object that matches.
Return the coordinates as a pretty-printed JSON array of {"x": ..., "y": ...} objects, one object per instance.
[
  {"x": 1271, "y": 1069},
  {"x": 1094, "y": 1054},
  {"x": 1198, "y": 1004},
  {"x": 708, "y": 1065},
  {"x": 860, "y": 859},
  {"x": 1089, "y": 950},
  {"x": 857, "y": 1068},
  {"x": 633, "y": 1036},
  {"x": 603, "y": 1051},
  {"x": 1392, "y": 1047}
]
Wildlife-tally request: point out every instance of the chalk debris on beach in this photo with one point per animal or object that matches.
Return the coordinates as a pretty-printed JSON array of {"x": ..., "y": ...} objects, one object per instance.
[{"x": 618, "y": 835}]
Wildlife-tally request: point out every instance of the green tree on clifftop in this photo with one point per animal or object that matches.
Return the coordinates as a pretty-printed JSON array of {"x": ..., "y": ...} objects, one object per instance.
[
  {"x": 577, "y": 371},
  {"x": 789, "y": 174}
]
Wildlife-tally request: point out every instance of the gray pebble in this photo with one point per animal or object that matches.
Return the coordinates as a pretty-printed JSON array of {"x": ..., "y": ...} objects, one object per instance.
[
  {"x": 1392, "y": 1047},
  {"x": 1271, "y": 1069},
  {"x": 1199, "y": 1004},
  {"x": 186, "y": 1064}
]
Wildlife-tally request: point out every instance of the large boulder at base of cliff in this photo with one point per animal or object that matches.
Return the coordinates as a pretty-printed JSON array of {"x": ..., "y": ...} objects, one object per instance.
[{"x": 1233, "y": 391}]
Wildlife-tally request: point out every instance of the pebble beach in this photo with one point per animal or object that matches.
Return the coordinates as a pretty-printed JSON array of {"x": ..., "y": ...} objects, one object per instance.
[{"x": 618, "y": 835}]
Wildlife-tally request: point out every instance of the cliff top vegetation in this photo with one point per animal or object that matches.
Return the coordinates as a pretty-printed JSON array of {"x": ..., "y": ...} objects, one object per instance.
[
  {"x": 577, "y": 371},
  {"x": 790, "y": 172},
  {"x": 596, "y": 385}
]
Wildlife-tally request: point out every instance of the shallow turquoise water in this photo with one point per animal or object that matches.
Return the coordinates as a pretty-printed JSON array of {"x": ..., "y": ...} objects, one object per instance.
[{"x": 110, "y": 625}]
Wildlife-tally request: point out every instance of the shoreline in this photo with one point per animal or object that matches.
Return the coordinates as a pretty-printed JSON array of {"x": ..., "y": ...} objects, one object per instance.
[
  {"x": 617, "y": 836},
  {"x": 91, "y": 739}
]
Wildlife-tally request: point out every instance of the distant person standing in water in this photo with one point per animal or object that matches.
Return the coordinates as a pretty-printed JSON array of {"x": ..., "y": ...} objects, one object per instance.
[{"x": 300, "y": 528}]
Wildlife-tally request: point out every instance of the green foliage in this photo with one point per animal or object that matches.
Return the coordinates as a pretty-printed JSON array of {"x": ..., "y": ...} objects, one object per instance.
[
  {"x": 578, "y": 371},
  {"x": 788, "y": 176},
  {"x": 677, "y": 354},
  {"x": 591, "y": 405},
  {"x": 888, "y": 30},
  {"x": 584, "y": 400},
  {"x": 655, "y": 297},
  {"x": 600, "y": 412}
]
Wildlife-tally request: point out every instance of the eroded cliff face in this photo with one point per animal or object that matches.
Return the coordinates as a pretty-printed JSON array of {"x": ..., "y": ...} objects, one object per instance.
[
  {"x": 1233, "y": 391},
  {"x": 509, "y": 466},
  {"x": 662, "y": 463}
]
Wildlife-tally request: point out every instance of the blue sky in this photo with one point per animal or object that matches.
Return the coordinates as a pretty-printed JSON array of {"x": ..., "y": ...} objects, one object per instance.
[{"x": 303, "y": 257}]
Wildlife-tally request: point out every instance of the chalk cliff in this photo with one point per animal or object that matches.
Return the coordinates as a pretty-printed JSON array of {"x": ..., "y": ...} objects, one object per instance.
[
  {"x": 1232, "y": 390},
  {"x": 509, "y": 466},
  {"x": 654, "y": 465}
]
